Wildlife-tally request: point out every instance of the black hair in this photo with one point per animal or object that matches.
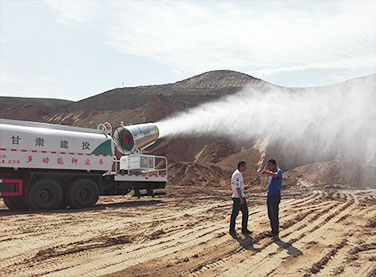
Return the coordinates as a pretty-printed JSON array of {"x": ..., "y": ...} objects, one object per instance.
[
  {"x": 241, "y": 163},
  {"x": 272, "y": 161}
]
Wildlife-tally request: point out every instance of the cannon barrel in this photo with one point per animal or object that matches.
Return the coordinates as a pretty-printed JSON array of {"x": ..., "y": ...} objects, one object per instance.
[{"x": 129, "y": 139}]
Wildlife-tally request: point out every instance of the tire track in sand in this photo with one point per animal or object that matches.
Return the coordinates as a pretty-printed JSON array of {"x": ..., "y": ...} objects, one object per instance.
[
  {"x": 281, "y": 260},
  {"x": 261, "y": 237},
  {"x": 186, "y": 236},
  {"x": 258, "y": 260}
]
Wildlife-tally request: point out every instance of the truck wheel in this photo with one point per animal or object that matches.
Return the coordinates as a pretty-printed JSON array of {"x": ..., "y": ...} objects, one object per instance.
[
  {"x": 137, "y": 193},
  {"x": 45, "y": 194},
  {"x": 83, "y": 193},
  {"x": 64, "y": 204},
  {"x": 15, "y": 203},
  {"x": 150, "y": 192}
]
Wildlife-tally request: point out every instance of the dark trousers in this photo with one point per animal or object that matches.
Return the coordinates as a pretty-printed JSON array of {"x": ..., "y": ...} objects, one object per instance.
[
  {"x": 273, "y": 210},
  {"x": 236, "y": 207}
]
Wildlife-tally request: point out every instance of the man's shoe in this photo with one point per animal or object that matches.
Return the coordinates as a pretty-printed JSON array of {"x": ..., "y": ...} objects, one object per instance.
[
  {"x": 276, "y": 237},
  {"x": 269, "y": 234},
  {"x": 233, "y": 233},
  {"x": 246, "y": 232}
]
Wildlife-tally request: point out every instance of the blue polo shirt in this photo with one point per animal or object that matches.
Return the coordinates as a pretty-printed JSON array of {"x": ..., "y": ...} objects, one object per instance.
[{"x": 275, "y": 184}]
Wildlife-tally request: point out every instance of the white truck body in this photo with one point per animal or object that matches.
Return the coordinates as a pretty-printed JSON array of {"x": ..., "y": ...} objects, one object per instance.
[
  {"x": 35, "y": 145},
  {"x": 46, "y": 166}
]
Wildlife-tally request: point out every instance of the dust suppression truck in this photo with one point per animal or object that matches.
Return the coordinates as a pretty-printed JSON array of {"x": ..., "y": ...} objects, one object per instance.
[{"x": 48, "y": 166}]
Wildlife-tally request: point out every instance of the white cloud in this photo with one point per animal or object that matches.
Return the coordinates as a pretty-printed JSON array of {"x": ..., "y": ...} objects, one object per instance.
[
  {"x": 363, "y": 61},
  {"x": 261, "y": 37},
  {"x": 72, "y": 10},
  {"x": 191, "y": 36},
  {"x": 28, "y": 86}
]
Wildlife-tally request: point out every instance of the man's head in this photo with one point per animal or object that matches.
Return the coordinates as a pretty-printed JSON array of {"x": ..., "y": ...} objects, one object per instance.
[
  {"x": 242, "y": 166},
  {"x": 272, "y": 164}
]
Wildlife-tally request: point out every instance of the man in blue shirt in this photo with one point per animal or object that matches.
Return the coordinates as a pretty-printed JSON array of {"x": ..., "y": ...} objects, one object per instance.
[{"x": 274, "y": 195}]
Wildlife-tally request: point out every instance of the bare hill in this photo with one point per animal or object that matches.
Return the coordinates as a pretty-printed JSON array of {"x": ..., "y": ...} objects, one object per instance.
[
  {"x": 195, "y": 90},
  {"x": 29, "y": 108},
  {"x": 45, "y": 102}
]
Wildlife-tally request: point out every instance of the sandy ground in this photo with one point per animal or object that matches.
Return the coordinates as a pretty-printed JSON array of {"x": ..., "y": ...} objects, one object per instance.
[{"x": 323, "y": 233}]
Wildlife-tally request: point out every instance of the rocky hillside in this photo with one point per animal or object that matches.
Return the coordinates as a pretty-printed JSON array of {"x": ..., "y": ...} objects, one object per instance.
[
  {"x": 204, "y": 161},
  {"x": 29, "y": 108}
]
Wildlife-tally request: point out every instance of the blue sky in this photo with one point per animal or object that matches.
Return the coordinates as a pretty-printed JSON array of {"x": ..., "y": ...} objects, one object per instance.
[{"x": 73, "y": 49}]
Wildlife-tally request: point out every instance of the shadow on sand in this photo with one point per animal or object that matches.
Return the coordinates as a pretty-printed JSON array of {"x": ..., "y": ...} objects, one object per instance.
[
  {"x": 291, "y": 250},
  {"x": 246, "y": 243}
]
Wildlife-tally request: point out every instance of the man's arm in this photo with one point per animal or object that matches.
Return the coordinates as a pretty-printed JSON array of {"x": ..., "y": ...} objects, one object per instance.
[
  {"x": 240, "y": 196},
  {"x": 270, "y": 173}
]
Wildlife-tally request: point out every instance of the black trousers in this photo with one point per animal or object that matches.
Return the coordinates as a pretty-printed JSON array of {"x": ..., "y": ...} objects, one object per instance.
[
  {"x": 236, "y": 207},
  {"x": 273, "y": 211}
]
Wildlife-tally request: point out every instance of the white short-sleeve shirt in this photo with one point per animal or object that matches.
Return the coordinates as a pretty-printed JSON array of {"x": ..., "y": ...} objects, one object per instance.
[{"x": 237, "y": 182}]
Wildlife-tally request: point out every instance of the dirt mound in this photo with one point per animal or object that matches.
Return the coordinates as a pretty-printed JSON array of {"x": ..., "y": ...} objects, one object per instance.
[
  {"x": 180, "y": 149},
  {"x": 196, "y": 174},
  {"x": 349, "y": 173},
  {"x": 252, "y": 156},
  {"x": 214, "y": 152}
]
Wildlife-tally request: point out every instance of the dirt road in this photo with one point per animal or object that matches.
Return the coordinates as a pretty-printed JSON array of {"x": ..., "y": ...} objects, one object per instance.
[{"x": 328, "y": 233}]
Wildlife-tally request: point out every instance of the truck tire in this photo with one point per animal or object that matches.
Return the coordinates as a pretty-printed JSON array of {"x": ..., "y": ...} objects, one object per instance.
[
  {"x": 150, "y": 192},
  {"x": 83, "y": 193},
  {"x": 64, "y": 204},
  {"x": 15, "y": 203},
  {"x": 45, "y": 194}
]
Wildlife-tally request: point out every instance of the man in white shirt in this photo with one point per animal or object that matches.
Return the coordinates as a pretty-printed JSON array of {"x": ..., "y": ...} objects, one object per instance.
[{"x": 238, "y": 198}]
